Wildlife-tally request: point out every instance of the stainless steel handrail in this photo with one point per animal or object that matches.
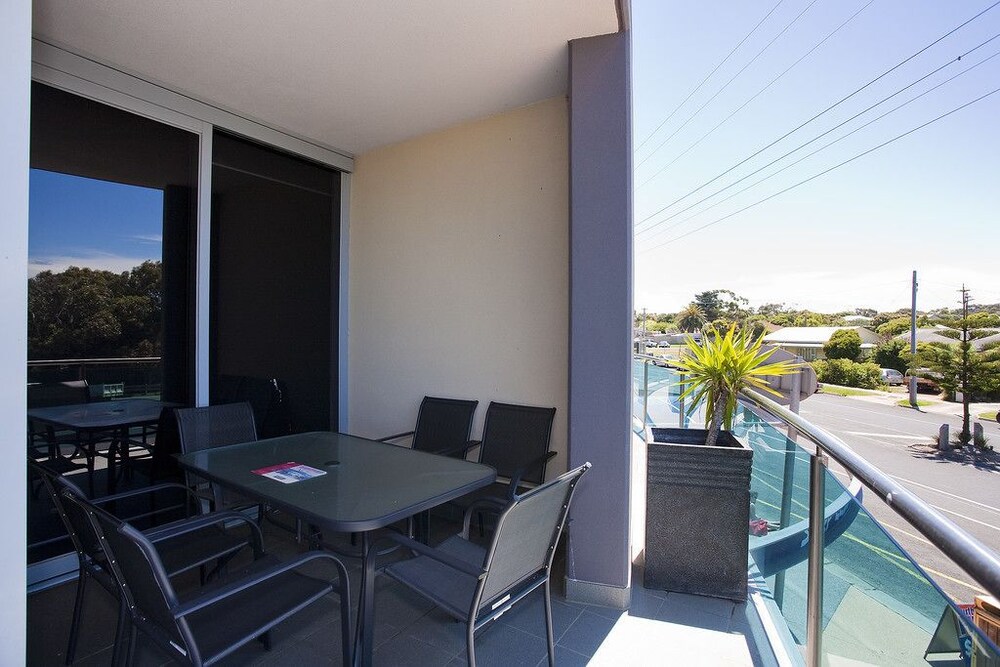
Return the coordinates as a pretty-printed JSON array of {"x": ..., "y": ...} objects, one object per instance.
[
  {"x": 976, "y": 559},
  {"x": 95, "y": 361}
]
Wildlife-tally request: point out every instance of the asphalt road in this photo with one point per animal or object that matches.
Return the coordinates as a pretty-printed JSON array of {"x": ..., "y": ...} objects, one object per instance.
[{"x": 964, "y": 490}]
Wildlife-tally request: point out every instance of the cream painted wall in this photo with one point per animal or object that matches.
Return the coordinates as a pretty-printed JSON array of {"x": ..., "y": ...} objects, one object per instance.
[{"x": 459, "y": 276}]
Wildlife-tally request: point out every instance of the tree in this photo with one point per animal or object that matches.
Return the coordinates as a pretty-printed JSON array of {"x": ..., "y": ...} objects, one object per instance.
[
  {"x": 843, "y": 344},
  {"x": 691, "y": 319},
  {"x": 893, "y": 353},
  {"x": 721, "y": 303},
  {"x": 893, "y": 327},
  {"x": 81, "y": 313}
]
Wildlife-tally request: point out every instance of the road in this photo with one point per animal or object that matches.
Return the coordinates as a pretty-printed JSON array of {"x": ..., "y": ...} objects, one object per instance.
[{"x": 966, "y": 492}]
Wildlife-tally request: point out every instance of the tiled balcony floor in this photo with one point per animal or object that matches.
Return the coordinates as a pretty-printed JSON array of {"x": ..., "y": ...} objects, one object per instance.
[{"x": 660, "y": 628}]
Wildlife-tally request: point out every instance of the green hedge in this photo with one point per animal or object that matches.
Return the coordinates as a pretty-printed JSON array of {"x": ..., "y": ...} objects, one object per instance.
[{"x": 848, "y": 373}]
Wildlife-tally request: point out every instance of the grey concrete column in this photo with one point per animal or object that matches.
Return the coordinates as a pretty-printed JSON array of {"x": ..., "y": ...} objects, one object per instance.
[
  {"x": 15, "y": 92},
  {"x": 600, "y": 385}
]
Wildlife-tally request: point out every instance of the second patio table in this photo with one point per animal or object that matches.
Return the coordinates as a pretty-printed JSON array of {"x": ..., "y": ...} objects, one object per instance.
[{"x": 367, "y": 484}]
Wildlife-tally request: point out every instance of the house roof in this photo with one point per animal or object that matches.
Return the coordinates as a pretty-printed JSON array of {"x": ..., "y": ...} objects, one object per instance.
[
  {"x": 352, "y": 75},
  {"x": 816, "y": 336},
  {"x": 980, "y": 343},
  {"x": 928, "y": 336}
]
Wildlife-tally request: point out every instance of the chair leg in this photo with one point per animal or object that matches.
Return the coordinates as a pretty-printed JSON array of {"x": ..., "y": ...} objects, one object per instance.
[
  {"x": 120, "y": 638},
  {"x": 548, "y": 625},
  {"x": 133, "y": 637},
  {"x": 74, "y": 628},
  {"x": 470, "y": 641}
]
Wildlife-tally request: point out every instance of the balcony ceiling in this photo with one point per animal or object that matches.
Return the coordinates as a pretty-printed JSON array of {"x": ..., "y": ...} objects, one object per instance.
[{"x": 352, "y": 75}]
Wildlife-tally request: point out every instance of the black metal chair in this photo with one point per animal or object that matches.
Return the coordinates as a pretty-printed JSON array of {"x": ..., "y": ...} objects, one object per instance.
[
  {"x": 183, "y": 544},
  {"x": 515, "y": 441},
  {"x": 444, "y": 425},
  {"x": 204, "y": 629},
  {"x": 477, "y": 585},
  {"x": 217, "y": 426},
  {"x": 45, "y": 441}
]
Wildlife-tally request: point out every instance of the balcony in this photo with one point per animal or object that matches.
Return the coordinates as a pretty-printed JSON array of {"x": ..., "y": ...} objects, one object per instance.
[{"x": 859, "y": 597}]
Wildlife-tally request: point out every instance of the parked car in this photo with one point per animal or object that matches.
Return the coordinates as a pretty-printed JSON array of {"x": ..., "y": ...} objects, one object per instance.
[
  {"x": 891, "y": 376},
  {"x": 664, "y": 343},
  {"x": 925, "y": 385}
]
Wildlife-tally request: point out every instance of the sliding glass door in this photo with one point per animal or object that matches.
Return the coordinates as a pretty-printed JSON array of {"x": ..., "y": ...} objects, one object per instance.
[{"x": 275, "y": 268}]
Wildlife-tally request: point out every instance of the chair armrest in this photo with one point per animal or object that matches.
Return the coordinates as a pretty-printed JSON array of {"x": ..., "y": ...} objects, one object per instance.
[
  {"x": 196, "y": 523},
  {"x": 496, "y": 504},
  {"x": 515, "y": 481},
  {"x": 140, "y": 492},
  {"x": 395, "y": 437},
  {"x": 460, "y": 449},
  {"x": 228, "y": 590},
  {"x": 430, "y": 552}
]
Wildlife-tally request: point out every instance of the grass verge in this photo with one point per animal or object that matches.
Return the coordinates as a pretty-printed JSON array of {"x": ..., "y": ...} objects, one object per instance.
[
  {"x": 905, "y": 403},
  {"x": 989, "y": 416},
  {"x": 843, "y": 391}
]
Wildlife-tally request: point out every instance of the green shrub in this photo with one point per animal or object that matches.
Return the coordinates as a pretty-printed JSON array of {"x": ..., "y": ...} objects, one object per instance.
[
  {"x": 843, "y": 344},
  {"x": 848, "y": 373}
]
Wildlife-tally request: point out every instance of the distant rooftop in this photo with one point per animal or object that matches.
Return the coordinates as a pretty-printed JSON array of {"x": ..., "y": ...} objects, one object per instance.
[{"x": 816, "y": 336}]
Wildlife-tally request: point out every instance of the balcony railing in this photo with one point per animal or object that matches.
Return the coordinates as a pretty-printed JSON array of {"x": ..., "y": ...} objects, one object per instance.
[
  {"x": 855, "y": 595},
  {"x": 108, "y": 377}
]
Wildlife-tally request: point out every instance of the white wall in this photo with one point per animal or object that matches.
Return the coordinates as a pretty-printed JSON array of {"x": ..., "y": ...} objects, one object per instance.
[
  {"x": 459, "y": 271},
  {"x": 15, "y": 73}
]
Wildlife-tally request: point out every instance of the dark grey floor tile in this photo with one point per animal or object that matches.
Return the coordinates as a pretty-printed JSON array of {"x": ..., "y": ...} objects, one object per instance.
[
  {"x": 500, "y": 645},
  {"x": 322, "y": 647},
  {"x": 588, "y": 632},
  {"x": 403, "y": 651},
  {"x": 529, "y": 615},
  {"x": 438, "y": 629},
  {"x": 644, "y": 603}
]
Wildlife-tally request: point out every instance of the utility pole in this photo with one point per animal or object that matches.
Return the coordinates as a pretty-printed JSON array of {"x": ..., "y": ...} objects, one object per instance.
[
  {"x": 965, "y": 437},
  {"x": 643, "y": 327},
  {"x": 913, "y": 344}
]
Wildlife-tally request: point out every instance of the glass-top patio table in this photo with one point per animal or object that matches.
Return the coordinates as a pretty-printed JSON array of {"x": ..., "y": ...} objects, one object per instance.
[
  {"x": 93, "y": 422},
  {"x": 367, "y": 485}
]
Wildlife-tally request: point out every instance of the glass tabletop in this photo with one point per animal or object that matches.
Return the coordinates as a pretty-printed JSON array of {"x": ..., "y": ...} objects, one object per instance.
[
  {"x": 366, "y": 485},
  {"x": 102, "y": 415}
]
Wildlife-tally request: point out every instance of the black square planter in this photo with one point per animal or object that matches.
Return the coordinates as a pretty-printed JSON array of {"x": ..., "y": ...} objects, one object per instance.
[{"x": 697, "y": 513}]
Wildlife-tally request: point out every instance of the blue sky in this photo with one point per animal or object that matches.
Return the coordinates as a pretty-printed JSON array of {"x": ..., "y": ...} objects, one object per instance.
[
  {"x": 86, "y": 222},
  {"x": 929, "y": 201}
]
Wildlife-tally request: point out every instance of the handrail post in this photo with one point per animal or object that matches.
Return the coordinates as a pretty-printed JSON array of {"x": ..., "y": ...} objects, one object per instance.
[
  {"x": 814, "y": 600},
  {"x": 680, "y": 401},
  {"x": 645, "y": 392}
]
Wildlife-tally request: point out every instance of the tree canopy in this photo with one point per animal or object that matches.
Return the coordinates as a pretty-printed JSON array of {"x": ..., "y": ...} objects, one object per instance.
[
  {"x": 86, "y": 313},
  {"x": 843, "y": 344}
]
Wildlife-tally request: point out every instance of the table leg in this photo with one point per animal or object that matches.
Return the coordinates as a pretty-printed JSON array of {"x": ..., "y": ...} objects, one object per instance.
[{"x": 363, "y": 647}]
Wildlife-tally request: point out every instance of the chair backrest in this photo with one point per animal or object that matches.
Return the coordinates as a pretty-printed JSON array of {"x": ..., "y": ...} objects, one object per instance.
[
  {"x": 526, "y": 536},
  {"x": 443, "y": 423},
  {"x": 215, "y": 426},
  {"x": 140, "y": 575},
  {"x": 77, "y": 524},
  {"x": 515, "y": 435},
  {"x": 49, "y": 394}
]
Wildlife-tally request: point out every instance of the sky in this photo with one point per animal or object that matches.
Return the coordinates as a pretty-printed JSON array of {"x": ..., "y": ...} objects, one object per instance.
[
  {"x": 929, "y": 201},
  {"x": 78, "y": 221}
]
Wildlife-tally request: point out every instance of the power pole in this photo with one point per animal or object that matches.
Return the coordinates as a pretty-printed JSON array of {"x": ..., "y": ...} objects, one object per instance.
[
  {"x": 644, "y": 328},
  {"x": 966, "y": 436},
  {"x": 913, "y": 344}
]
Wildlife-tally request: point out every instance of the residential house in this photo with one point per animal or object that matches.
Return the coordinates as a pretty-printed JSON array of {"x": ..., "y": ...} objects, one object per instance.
[{"x": 808, "y": 342}]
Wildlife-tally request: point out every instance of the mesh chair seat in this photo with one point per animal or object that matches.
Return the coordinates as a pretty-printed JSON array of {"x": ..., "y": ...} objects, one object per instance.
[
  {"x": 445, "y": 586},
  {"x": 479, "y": 585}
]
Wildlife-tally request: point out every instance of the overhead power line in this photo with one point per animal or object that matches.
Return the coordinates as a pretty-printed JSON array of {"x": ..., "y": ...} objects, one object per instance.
[
  {"x": 822, "y": 148},
  {"x": 835, "y": 127},
  {"x": 757, "y": 94},
  {"x": 708, "y": 76},
  {"x": 726, "y": 84},
  {"x": 825, "y": 171},
  {"x": 821, "y": 113}
]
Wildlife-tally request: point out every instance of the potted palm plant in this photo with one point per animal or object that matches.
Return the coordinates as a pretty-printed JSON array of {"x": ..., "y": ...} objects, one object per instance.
[{"x": 698, "y": 480}]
